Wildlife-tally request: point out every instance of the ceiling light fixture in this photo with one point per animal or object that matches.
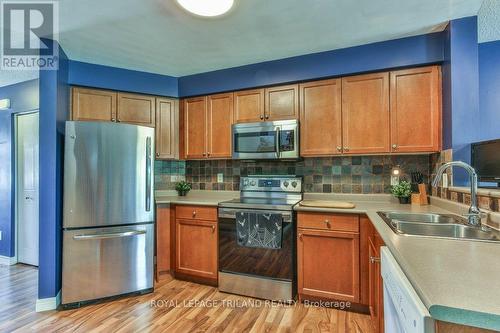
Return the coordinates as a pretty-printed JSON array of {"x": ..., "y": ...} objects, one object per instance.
[{"x": 207, "y": 8}]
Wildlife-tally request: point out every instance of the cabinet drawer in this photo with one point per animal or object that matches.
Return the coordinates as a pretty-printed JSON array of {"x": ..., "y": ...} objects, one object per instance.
[
  {"x": 196, "y": 213},
  {"x": 325, "y": 221}
]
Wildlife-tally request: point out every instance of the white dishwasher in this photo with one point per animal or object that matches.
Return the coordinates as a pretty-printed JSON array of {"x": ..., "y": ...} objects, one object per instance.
[{"x": 404, "y": 312}]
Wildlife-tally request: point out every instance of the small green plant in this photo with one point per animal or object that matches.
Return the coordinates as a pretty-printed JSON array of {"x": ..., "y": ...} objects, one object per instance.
[
  {"x": 182, "y": 188},
  {"x": 401, "y": 190}
]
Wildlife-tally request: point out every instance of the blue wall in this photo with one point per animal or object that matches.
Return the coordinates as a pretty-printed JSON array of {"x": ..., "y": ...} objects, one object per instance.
[
  {"x": 23, "y": 97},
  {"x": 98, "y": 76},
  {"x": 489, "y": 90},
  {"x": 404, "y": 52},
  {"x": 54, "y": 111},
  {"x": 461, "y": 91}
]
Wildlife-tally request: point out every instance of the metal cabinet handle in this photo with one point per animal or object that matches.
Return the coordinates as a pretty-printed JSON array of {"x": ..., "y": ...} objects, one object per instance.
[
  {"x": 346, "y": 148},
  {"x": 339, "y": 148},
  {"x": 267, "y": 117},
  {"x": 327, "y": 222},
  {"x": 118, "y": 120},
  {"x": 374, "y": 260},
  {"x": 204, "y": 154},
  {"x": 194, "y": 213},
  {"x": 300, "y": 236},
  {"x": 157, "y": 154},
  {"x": 394, "y": 146},
  {"x": 110, "y": 235},
  {"x": 213, "y": 228},
  {"x": 113, "y": 119}
]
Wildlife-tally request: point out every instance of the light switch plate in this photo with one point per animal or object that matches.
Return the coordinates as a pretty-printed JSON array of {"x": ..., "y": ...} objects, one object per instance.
[
  {"x": 220, "y": 178},
  {"x": 0, "y": 234},
  {"x": 444, "y": 180}
]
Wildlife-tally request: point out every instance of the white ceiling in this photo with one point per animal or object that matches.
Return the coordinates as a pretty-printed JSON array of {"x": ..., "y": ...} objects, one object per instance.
[{"x": 157, "y": 36}]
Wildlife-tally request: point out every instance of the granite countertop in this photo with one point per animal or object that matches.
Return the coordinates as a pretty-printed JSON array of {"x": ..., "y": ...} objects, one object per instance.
[{"x": 457, "y": 280}]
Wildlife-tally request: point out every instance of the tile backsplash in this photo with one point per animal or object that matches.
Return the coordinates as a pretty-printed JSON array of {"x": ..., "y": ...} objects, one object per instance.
[{"x": 357, "y": 174}]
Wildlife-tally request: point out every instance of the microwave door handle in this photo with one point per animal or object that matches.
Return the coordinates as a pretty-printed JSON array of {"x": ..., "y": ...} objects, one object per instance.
[{"x": 278, "y": 153}]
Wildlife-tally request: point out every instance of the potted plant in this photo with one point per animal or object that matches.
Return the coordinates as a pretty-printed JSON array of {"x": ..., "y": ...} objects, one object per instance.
[
  {"x": 402, "y": 191},
  {"x": 182, "y": 188}
]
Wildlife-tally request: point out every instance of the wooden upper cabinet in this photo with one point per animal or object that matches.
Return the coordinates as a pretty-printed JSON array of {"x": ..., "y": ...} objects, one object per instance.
[
  {"x": 93, "y": 105},
  {"x": 249, "y": 106},
  {"x": 219, "y": 121},
  {"x": 321, "y": 118},
  {"x": 136, "y": 109},
  {"x": 416, "y": 110},
  {"x": 195, "y": 125},
  {"x": 282, "y": 103},
  {"x": 167, "y": 128},
  {"x": 365, "y": 113},
  {"x": 328, "y": 264}
]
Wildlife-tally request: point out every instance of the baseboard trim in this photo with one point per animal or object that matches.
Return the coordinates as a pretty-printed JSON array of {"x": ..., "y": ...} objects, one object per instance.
[
  {"x": 8, "y": 261},
  {"x": 47, "y": 304}
]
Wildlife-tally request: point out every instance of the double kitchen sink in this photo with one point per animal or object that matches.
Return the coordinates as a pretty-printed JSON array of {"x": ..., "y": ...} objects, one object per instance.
[{"x": 438, "y": 226}]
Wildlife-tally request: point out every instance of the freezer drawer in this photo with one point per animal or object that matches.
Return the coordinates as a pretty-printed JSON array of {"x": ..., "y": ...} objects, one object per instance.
[{"x": 102, "y": 262}]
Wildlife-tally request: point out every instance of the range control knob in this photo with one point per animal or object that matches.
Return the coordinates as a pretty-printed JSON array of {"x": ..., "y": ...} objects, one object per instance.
[
  {"x": 294, "y": 184},
  {"x": 285, "y": 183},
  {"x": 253, "y": 183},
  {"x": 245, "y": 182}
]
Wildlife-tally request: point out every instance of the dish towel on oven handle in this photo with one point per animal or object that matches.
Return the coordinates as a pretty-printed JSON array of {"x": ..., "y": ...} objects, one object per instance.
[{"x": 263, "y": 230}]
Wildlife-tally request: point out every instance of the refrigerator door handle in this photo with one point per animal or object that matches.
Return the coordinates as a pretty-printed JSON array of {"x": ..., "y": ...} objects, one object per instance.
[
  {"x": 110, "y": 235},
  {"x": 148, "y": 174}
]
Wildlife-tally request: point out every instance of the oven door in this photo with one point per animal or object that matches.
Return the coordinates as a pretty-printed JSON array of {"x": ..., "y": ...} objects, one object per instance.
[
  {"x": 270, "y": 263},
  {"x": 255, "y": 141}
]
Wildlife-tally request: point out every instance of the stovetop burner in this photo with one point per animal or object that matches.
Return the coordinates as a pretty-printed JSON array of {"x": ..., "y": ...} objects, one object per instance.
[{"x": 267, "y": 193}]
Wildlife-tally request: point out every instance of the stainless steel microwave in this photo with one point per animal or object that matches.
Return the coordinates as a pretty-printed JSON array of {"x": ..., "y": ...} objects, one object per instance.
[{"x": 266, "y": 140}]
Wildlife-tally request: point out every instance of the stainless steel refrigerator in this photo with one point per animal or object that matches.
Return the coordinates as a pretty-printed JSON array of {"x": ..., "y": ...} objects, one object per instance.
[{"x": 108, "y": 213}]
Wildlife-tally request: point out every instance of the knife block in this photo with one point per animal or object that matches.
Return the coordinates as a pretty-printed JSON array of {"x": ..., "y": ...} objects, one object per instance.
[{"x": 420, "y": 198}]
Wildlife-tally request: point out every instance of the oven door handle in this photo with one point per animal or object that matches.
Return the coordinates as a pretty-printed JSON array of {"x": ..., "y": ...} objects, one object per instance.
[
  {"x": 278, "y": 153},
  {"x": 230, "y": 213}
]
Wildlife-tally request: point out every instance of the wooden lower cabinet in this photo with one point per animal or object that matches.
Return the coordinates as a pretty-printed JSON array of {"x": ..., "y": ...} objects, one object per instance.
[
  {"x": 165, "y": 218},
  {"x": 327, "y": 263},
  {"x": 375, "y": 284},
  {"x": 196, "y": 245},
  {"x": 444, "y": 327}
]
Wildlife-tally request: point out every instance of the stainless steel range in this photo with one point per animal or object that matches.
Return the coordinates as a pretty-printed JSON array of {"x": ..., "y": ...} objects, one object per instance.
[{"x": 257, "y": 241}]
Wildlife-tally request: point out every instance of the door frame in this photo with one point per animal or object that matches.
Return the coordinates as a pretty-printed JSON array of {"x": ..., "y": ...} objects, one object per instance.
[{"x": 15, "y": 176}]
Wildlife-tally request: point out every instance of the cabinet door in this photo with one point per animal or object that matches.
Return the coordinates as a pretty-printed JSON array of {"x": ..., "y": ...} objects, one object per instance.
[
  {"x": 373, "y": 285},
  {"x": 416, "y": 110},
  {"x": 195, "y": 127},
  {"x": 164, "y": 221},
  {"x": 136, "y": 109},
  {"x": 282, "y": 103},
  {"x": 196, "y": 248},
  {"x": 93, "y": 105},
  {"x": 328, "y": 264},
  {"x": 167, "y": 128},
  {"x": 219, "y": 121},
  {"x": 249, "y": 106},
  {"x": 365, "y": 113},
  {"x": 320, "y": 118}
]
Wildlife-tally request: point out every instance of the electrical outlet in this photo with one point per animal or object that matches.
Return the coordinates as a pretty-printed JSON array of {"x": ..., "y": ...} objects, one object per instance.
[
  {"x": 394, "y": 180},
  {"x": 444, "y": 180},
  {"x": 220, "y": 178}
]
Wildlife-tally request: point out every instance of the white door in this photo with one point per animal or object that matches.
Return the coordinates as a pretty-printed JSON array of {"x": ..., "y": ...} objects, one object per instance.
[{"x": 27, "y": 188}]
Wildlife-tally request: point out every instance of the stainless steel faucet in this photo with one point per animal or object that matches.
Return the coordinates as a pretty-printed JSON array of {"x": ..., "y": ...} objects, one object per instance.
[{"x": 474, "y": 215}]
